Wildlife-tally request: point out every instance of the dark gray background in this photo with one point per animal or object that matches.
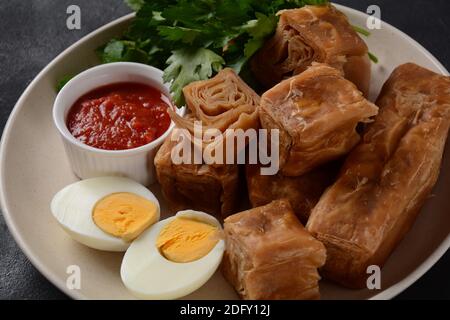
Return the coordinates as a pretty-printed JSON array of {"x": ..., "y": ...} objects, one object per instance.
[{"x": 33, "y": 32}]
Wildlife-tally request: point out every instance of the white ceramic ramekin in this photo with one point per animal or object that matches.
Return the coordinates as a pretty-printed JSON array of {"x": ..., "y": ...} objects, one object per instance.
[{"x": 89, "y": 162}]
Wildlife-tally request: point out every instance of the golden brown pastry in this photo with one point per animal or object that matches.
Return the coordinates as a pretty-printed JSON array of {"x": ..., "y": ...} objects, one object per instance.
[
  {"x": 222, "y": 102},
  {"x": 197, "y": 186},
  {"x": 316, "y": 113},
  {"x": 313, "y": 34},
  {"x": 270, "y": 255},
  {"x": 387, "y": 178},
  {"x": 302, "y": 192}
]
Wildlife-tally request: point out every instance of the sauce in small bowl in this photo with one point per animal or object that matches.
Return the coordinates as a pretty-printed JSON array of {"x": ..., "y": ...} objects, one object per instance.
[{"x": 119, "y": 116}]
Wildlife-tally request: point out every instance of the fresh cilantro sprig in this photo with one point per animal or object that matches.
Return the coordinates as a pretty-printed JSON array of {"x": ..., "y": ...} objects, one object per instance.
[
  {"x": 193, "y": 39},
  {"x": 183, "y": 62}
]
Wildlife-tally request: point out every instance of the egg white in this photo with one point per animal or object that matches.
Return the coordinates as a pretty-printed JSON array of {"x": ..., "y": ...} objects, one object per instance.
[
  {"x": 149, "y": 275},
  {"x": 72, "y": 207}
]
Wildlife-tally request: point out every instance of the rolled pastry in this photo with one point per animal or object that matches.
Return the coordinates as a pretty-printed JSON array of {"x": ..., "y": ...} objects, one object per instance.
[
  {"x": 313, "y": 34},
  {"x": 387, "y": 178},
  {"x": 196, "y": 186},
  {"x": 222, "y": 102},
  {"x": 302, "y": 192},
  {"x": 269, "y": 254},
  {"x": 316, "y": 113}
]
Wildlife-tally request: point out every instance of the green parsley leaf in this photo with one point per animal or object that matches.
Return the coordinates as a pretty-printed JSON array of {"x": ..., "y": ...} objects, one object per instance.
[
  {"x": 63, "y": 82},
  {"x": 135, "y": 4},
  {"x": 113, "y": 51},
  {"x": 252, "y": 46},
  {"x": 261, "y": 27},
  {"x": 185, "y": 35},
  {"x": 187, "y": 65},
  {"x": 121, "y": 50}
]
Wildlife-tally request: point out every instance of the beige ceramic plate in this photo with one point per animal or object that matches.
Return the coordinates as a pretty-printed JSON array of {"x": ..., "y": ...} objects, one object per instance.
[{"x": 34, "y": 167}]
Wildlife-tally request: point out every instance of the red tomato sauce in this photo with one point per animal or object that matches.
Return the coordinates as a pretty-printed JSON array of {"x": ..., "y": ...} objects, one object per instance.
[{"x": 119, "y": 116}]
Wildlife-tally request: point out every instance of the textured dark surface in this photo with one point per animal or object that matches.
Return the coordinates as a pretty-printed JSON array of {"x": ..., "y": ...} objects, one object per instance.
[{"x": 33, "y": 32}]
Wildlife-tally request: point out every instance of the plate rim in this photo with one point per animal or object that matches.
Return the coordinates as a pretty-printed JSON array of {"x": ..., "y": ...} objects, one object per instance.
[{"x": 386, "y": 294}]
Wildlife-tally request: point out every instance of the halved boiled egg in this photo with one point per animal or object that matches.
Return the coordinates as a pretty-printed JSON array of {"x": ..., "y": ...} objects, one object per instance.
[
  {"x": 174, "y": 257},
  {"x": 105, "y": 213}
]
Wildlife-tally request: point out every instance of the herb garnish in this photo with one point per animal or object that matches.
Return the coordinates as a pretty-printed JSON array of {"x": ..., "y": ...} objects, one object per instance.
[{"x": 191, "y": 40}]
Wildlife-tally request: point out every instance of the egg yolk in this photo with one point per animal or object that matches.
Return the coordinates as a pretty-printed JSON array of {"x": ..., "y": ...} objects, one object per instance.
[
  {"x": 186, "y": 240},
  {"x": 124, "y": 215}
]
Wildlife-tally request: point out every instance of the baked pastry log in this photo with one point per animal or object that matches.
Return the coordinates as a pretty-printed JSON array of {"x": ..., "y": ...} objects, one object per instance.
[
  {"x": 222, "y": 102},
  {"x": 313, "y": 34},
  {"x": 316, "y": 113},
  {"x": 270, "y": 255},
  {"x": 387, "y": 178},
  {"x": 302, "y": 192},
  {"x": 197, "y": 186}
]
